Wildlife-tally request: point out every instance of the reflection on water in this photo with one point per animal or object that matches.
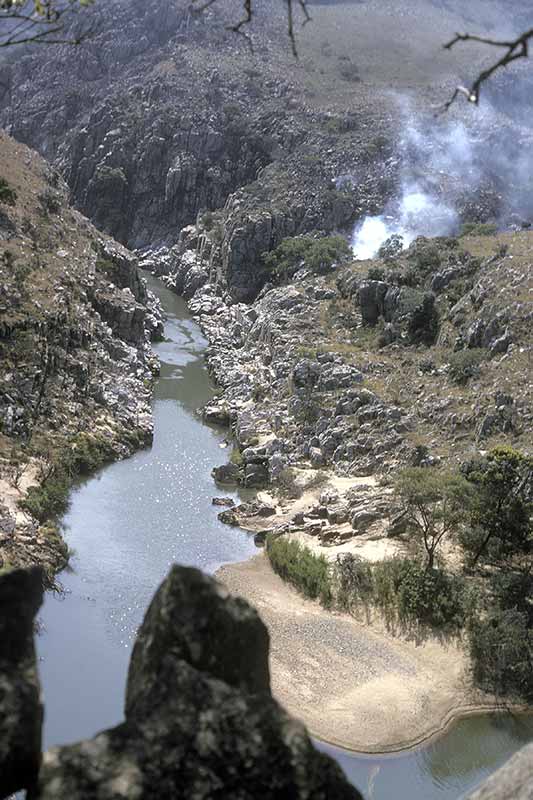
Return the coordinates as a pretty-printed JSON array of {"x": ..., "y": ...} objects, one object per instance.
[
  {"x": 444, "y": 769},
  {"x": 127, "y": 525},
  {"x": 134, "y": 519}
]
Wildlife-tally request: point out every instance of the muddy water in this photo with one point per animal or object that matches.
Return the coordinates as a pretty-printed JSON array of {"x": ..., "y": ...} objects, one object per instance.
[{"x": 131, "y": 521}]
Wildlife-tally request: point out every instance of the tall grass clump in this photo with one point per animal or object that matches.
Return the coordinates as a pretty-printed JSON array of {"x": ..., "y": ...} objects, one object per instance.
[{"x": 297, "y": 565}]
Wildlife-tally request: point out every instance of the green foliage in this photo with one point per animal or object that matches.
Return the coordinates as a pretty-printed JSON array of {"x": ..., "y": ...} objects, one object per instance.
[
  {"x": 316, "y": 254},
  {"x": 354, "y": 581},
  {"x": 236, "y": 457},
  {"x": 376, "y": 274},
  {"x": 478, "y": 229},
  {"x": 7, "y": 194},
  {"x": 50, "y": 202},
  {"x": 391, "y": 248},
  {"x": 501, "y": 649},
  {"x": 50, "y": 500},
  {"x": 296, "y": 564},
  {"x": 501, "y": 528},
  {"x": 425, "y": 255},
  {"x": 84, "y": 455},
  {"x": 465, "y": 364},
  {"x": 403, "y": 589},
  {"x": 436, "y": 504}
]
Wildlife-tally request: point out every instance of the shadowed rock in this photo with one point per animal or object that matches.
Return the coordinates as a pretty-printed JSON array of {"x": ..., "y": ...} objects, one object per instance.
[
  {"x": 21, "y": 595},
  {"x": 200, "y": 718}
]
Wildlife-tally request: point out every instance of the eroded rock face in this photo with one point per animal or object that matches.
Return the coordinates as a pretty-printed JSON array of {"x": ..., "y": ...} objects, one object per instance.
[
  {"x": 200, "y": 719},
  {"x": 20, "y": 708}
]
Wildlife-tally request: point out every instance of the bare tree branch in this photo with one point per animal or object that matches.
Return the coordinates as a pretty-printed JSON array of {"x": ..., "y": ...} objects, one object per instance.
[
  {"x": 198, "y": 6},
  {"x": 515, "y": 49}
]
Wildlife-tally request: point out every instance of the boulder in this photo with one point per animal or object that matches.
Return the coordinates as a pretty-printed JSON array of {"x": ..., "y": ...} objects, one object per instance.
[
  {"x": 21, "y": 593},
  {"x": 200, "y": 718},
  {"x": 513, "y": 781},
  {"x": 226, "y": 473}
]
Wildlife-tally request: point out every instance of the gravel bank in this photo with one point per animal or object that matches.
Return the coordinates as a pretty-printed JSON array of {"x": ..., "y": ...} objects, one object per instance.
[{"x": 352, "y": 683}]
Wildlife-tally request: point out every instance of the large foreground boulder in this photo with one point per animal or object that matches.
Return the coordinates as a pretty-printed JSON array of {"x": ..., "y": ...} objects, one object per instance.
[
  {"x": 513, "y": 781},
  {"x": 200, "y": 718},
  {"x": 21, "y": 595}
]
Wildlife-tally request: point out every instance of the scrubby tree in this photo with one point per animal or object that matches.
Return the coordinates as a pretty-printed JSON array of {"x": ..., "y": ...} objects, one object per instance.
[
  {"x": 435, "y": 503},
  {"x": 501, "y": 529},
  {"x": 317, "y": 255}
]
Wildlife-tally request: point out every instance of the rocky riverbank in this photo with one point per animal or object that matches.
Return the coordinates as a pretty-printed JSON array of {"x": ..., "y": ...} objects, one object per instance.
[
  {"x": 76, "y": 323},
  {"x": 333, "y": 381}
]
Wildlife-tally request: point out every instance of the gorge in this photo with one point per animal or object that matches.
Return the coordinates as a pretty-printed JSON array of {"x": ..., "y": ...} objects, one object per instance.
[{"x": 307, "y": 360}]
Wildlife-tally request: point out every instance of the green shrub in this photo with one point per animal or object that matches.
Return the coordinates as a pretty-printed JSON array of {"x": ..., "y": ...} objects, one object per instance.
[
  {"x": 404, "y": 590},
  {"x": 501, "y": 649},
  {"x": 50, "y": 500},
  {"x": 478, "y": 229},
  {"x": 297, "y": 565},
  {"x": 84, "y": 455},
  {"x": 316, "y": 254},
  {"x": 7, "y": 194},
  {"x": 391, "y": 247},
  {"x": 354, "y": 584},
  {"x": 465, "y": 364},
  {"x": 376, "y": 274}
]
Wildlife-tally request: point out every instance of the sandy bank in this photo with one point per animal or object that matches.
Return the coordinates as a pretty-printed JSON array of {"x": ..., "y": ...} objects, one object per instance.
[{"x": 353, "y": 685}]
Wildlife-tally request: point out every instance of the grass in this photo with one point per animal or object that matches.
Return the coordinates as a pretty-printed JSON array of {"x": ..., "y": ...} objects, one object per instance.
[{"x": 298, "y": 566}]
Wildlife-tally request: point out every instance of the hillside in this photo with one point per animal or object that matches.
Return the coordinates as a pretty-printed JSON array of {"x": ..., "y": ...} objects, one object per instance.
[{"x": 75, "y": 328}]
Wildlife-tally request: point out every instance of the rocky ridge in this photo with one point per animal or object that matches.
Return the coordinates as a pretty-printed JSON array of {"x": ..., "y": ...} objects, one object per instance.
[{"x": 76, "y": 322}]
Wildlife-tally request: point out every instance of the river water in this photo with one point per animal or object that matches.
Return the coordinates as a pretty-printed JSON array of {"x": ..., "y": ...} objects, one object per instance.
[{"x": 131, "y": 521}]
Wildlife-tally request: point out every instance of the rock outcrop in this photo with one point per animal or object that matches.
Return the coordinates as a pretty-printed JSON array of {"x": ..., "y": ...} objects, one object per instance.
[
  {"x": 200, "y": 720},
  {"x": 76, "y": 364},
  {"x": 21, "y": 712},
  {"x": 513, "y": 781}
]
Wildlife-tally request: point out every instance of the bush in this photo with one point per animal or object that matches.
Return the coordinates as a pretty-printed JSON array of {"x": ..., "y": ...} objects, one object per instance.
[
  {"x": 403, "y": 589},
  {"x": 354, "y": 581},
  {"x": 478, "y": 229},
  {"x": 316, "y": 254},
  {"x": 297, "y": 565},
  {"x": 501, "y": 649},
  {"x": 376, "y": 274},
  {"x": 391, "y": 248},
  {"x": 50, "y": 500},
  {"x": 84, "y": 455},
  {"x": 465, "y": 364},
  {"x": 7, "y": 194}
]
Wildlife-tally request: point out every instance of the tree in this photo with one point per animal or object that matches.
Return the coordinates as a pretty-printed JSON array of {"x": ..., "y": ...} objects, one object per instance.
[
  {"x": 435, "y": 504},
  {"x": 41, "y": 21},
  {"x": 248, "y": 12},
  {"x": 501, "y": 529}
]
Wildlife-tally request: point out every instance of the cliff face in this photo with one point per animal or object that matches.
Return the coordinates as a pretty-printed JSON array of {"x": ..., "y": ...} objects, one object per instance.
[
  {"x": 76, "y": 364},
  {"x": 200, "y": 720}
]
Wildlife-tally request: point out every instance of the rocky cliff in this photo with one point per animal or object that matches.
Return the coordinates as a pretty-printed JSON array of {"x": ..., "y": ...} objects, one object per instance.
[
  {"x": 200, "y": 720},
  {"x": 76, "y": 365}
]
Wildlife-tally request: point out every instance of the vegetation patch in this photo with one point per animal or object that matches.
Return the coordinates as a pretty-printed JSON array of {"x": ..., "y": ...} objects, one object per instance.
[
  {"x": 8, "y": 195},
  {"x": 478, "y": 229},
  {"x": 466, "y": 364},
  {"x": 317, "y": 255},
  {"x": 297, "y": 565}
]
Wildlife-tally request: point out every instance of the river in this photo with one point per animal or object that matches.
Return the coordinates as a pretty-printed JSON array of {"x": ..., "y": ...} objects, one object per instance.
[{"x": 131, "y": 521}]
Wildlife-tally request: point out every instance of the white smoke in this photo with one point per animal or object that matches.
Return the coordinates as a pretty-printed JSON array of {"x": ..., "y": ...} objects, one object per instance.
[
  {"x": 418, "y": 213},
  {"x": 440, "y": 161}
]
